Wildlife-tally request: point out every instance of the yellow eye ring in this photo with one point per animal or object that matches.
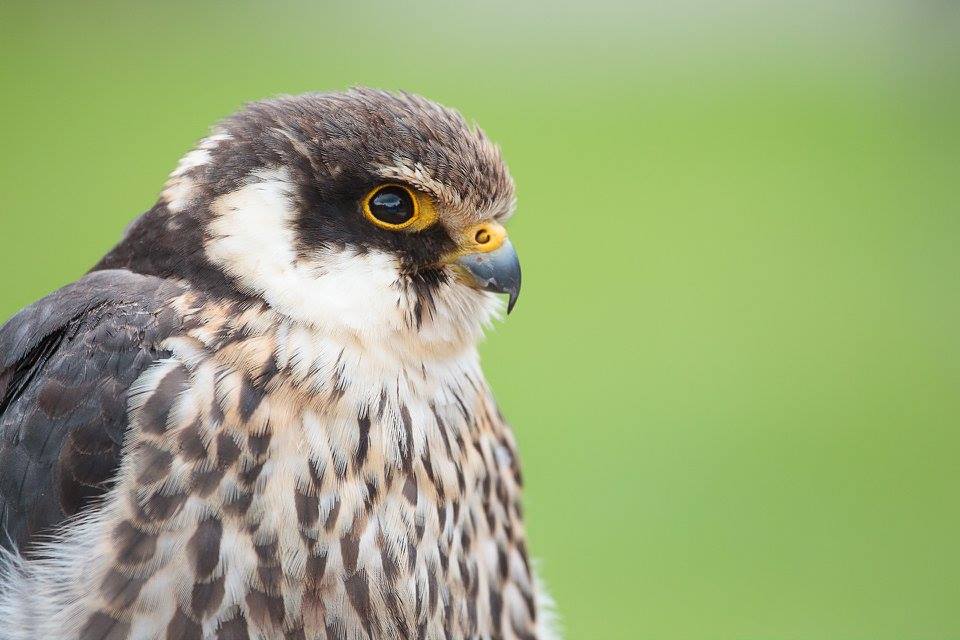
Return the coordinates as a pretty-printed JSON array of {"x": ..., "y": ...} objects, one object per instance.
[{"x": 396, "y": 207}]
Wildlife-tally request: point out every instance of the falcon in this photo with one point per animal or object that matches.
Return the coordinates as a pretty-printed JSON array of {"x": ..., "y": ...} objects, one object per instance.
[{"x": 262, "y": 414}]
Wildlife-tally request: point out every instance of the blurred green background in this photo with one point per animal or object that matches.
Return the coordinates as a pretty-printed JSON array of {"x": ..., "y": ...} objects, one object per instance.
[{"x": 735, "y": 369}]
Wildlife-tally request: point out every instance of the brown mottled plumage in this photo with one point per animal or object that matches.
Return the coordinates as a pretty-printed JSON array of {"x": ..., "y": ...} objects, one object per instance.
[{"x": 263, "y": 416}]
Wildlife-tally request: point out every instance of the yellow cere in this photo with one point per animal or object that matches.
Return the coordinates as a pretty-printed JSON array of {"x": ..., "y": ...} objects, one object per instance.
[{"x": 483, "y": 238}]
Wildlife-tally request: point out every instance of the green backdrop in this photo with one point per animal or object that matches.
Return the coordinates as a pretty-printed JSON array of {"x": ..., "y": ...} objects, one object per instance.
[{"x": 735, "y": 368}]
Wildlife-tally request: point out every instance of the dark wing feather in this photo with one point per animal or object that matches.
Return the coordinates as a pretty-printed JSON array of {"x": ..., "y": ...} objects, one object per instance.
[{"x": 66, "y": 364}]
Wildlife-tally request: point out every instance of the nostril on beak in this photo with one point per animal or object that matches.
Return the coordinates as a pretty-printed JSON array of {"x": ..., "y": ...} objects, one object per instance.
[{"x": 484, "y": 237}]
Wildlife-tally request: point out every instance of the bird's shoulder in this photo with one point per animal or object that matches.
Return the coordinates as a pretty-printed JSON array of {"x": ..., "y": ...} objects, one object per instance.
[{"x": 66, "y": 364}]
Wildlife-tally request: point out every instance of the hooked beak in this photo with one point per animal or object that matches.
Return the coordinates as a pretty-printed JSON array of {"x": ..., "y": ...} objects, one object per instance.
[
  {"x": 497, "y": 271},
  {"x": 489, "y": 262}
]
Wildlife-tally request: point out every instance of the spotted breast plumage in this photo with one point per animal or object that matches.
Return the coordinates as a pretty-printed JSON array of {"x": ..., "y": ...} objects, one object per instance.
[{"x": 262, "y": 414}]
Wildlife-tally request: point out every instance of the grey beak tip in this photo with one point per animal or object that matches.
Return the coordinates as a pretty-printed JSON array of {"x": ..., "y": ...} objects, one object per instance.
[{"x": 497, "y": 271}]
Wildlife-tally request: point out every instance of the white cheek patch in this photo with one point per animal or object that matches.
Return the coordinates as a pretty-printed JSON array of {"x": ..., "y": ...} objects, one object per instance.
[
  {"x": 360, "y": 299},
  {"x": 252, "y": 236}
]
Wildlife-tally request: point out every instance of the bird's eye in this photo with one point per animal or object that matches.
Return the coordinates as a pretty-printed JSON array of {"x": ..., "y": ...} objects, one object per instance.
[{"x": 391, "y": 206}]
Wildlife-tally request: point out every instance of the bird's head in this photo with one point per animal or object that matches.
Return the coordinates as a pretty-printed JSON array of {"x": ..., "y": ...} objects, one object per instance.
[{"x": 361, "y": 211}]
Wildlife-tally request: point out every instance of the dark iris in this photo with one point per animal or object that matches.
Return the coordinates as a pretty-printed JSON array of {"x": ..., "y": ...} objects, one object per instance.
[{"x": 392, "y": 205}]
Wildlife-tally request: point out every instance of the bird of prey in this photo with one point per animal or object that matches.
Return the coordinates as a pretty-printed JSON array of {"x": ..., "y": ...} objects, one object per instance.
[{"x": 262, "y": 415}]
